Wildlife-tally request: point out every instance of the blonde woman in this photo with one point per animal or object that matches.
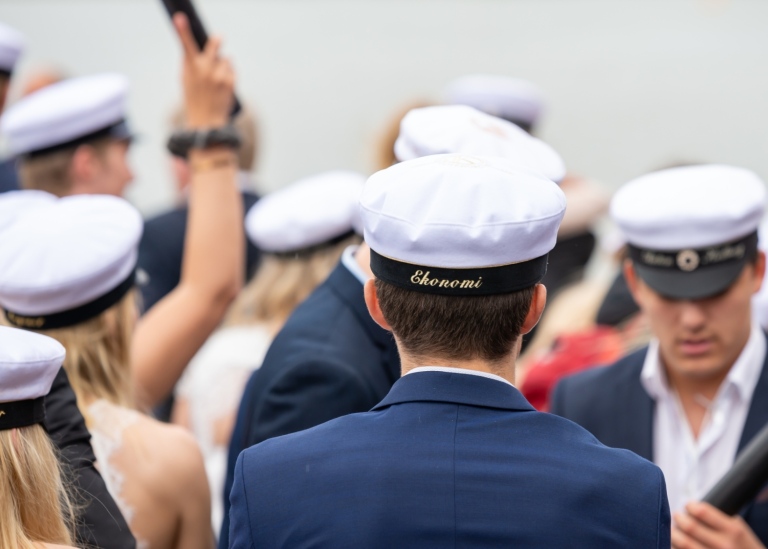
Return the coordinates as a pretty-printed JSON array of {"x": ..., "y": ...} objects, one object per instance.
[
  {"x": 67, "y": 269},
  {"x": 302, "y": 230},
  {"x": 35, "y": 507}
]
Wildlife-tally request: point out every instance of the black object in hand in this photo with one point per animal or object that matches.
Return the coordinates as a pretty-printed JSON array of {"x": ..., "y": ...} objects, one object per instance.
[
  {"x": 198, "y": 31},
  {"x": 748, "y": 475}
]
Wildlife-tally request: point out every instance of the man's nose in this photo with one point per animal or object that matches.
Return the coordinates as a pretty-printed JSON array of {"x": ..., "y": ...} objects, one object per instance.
[{"x": 692, "y": 315}]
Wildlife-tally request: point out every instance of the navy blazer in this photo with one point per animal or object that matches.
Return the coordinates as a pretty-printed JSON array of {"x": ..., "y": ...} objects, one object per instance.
[
  {"x": 447, "y": 460},
  {"x": 613, "y": 405},
  {"x": 330, "y": 359},
  {"x": 9, "y": 178},
  {"x": 161, "y": 250}
]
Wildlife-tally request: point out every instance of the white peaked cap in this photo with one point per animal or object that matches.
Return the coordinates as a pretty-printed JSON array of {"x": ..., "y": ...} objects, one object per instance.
[
  {"x": 689, "y": 207},
  {"x": 15, "y": 204},
  {"x": 457, "y": 212},
  {"x": 66, "y": 255},
  {"x": 309, "y": 212},
  {"x": 64, "y": 112},
  {"x": 28, "y": 364},
  {"x": 510, "y": 98},
  {"x": 11, "y": 46},
  {"x": 691, "y": 230},
  {"x": 465, "y": 130}
]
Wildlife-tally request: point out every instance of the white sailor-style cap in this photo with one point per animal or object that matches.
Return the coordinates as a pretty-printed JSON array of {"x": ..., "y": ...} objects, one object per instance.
[
  {"x": 11, "y": 46},
  {"x": 67, "y": 114},
  {"x": 66, "y": 262},
  {"x": 513, "y": 99},
  {"x": 465, "y": 130},
  {"x": 316, "y": 210},
  {"x": 691, "y": 230},
  {"x": 460, "y": 225},
  {"x": 29, "y": 363},
  {"x": 14, "y": 204}
]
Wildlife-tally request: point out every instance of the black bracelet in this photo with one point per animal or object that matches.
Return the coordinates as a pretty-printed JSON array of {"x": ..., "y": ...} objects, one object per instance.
[{"x": 182, "y": 141}]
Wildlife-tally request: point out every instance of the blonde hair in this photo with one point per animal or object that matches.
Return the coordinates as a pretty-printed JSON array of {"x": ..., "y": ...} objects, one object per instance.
[
  {"x": 34, "y": 504},
  {"x": 384, "y": 152},
  {"x": 282, "y": 282},
  {"x": 52, "y": 172},
  {"x": 98, "y": 354}
]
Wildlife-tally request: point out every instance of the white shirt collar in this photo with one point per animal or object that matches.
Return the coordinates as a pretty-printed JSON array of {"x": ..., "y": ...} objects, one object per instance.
[
  {"x": 349, "y": 261},
  {"x": 449, "y": 370},
  {"x": 743, "y": 375}
]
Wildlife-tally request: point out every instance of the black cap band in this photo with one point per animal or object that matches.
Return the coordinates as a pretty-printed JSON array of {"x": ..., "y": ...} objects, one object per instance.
[
  {"x": 694, "y": 273},
  {"x": 118, "y": 130},
  {"x": 503, "y": 279},
  {"x": 309, "y": 250},
  {"x": 21, "y": 413},
  {"x": 76, "y": 315},
  {"x": 690, "y": 260}
]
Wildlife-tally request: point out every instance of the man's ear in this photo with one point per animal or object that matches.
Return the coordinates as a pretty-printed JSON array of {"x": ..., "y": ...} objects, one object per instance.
[
  {"x": 537, "y": 308},
  {"x": 630, "y": 275},
  {"x": 83, "y": 169},
  {"x": 759, "y": 271},
  {"x": 372, "y": 302}
]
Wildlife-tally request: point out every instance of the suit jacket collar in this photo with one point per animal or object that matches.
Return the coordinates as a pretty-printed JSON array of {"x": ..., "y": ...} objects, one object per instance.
[
  {"x": 455, "y": 389},
  {"x": 757, "y": 416},
  {"x": 349, "y": 290},
  {"x": 640, "y": 428}
]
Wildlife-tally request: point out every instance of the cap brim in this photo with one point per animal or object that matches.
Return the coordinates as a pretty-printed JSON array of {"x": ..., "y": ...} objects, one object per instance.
[
  {"x": 122, "y": 132},
  {"x": 698, "y": 284}
]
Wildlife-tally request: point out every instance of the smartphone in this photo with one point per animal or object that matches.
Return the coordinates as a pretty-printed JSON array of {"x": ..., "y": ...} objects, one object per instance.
[{"x": 198, "y": 31}]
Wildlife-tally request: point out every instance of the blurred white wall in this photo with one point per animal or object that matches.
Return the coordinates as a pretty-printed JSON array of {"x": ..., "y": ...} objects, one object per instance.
[{"x": 632, "y": 84}]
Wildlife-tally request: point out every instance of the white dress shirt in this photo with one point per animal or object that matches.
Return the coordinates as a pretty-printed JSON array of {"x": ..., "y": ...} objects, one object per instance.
[
  {"x": 487, "y": 375},
  {"x": 692, "y": 466}
]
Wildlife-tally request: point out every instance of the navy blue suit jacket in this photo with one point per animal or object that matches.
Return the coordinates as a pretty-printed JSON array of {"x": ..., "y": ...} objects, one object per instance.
[
  {"x": 447, "y": 460},
  {"x": 612, "y": 404},
  {"x": 330, "y": 359},
  {"x": 162, "y": 248},
  {"x": 9, "y": 178}
]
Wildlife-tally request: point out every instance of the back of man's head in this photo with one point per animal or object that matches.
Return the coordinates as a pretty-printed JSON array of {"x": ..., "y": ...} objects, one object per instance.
[{"x": 458, "y": 246}]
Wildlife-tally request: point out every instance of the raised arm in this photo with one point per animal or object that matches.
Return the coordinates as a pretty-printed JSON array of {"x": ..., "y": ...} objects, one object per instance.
[{"x": 169, "y": 335}]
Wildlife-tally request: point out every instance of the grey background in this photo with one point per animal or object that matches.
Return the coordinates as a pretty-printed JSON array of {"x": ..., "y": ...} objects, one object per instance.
[{"x": 631, "y": 84}]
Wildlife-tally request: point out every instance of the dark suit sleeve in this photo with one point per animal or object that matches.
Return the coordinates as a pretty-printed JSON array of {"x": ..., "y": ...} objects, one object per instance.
[
  {"x": 557, "y": 400},
  {"x": 100, "y": 523},
  {"x": 307, "y": 395},
  {"x": 160, "y": 256},
  {"x": 665, "y": 521},
  {"x": 240, "y": 535}
]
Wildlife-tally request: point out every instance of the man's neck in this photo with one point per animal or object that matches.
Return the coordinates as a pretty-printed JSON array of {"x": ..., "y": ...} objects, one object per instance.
[{"x": 504, "y": 368}]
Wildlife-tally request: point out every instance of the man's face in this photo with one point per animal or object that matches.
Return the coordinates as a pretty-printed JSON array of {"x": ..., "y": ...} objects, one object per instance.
[
  {"x": 113, "y": 174},
  {"x": 700, "y": 338}
]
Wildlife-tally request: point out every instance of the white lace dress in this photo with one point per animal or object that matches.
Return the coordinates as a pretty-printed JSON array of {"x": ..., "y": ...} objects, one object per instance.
[
  {"x": 212, "y": 385},
  {"x": 108, "y": 423}
]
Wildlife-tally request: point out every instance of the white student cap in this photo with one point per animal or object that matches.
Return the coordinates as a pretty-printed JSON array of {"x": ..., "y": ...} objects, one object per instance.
[
  {"x": 64, "y": 263},
  {"x": 460, "y": 225},
  {"x": 67, "y": 114},
  {"x": 29, "y": 363},
  {"x": 513, "y": 99},
  {"x": 15, "y": 204},
  {"x": 691, "y": 230},
  {"x": 11, "y": 46},
  {"x": 465, "y": 130},
  {"x": 316, "y": 210}
]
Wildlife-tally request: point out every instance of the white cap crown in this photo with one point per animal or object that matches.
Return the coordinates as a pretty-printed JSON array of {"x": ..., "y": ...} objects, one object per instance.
[
  {"x": 309, "y": 212},
  {"x": 465, "y": 130}
]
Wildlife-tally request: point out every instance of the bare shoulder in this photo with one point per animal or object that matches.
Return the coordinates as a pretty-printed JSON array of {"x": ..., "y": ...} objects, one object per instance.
[{"x": 173, "y": 461}]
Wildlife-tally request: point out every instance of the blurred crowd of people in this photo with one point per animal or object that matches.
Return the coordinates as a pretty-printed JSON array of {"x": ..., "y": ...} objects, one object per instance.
[{"x": 356, "y": 361}]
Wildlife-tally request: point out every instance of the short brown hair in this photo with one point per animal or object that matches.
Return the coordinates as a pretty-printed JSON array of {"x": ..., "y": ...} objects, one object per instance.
[
  {"x": 51, "y": 172},
  {"x": 458, "y": 327}
]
